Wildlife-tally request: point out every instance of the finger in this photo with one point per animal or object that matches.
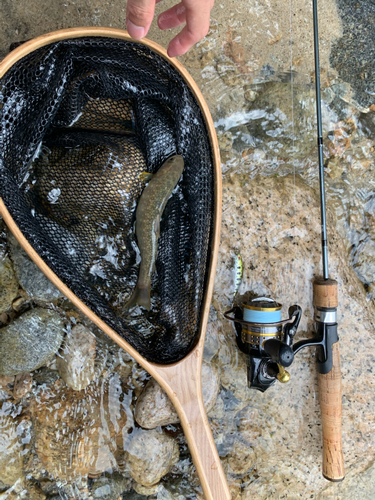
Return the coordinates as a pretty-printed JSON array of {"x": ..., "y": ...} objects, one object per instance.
[
  {"x": 139, "y": 15},
  {"x": 173, "y": 17},
  {"x": 197, "y": 26}
]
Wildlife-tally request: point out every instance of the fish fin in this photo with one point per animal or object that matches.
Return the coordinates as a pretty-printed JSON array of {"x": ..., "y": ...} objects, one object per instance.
[
  {"x": 141, "y": 296},
  {"x": 145, "y": 176},
  {"x": 157, "y": 225}
]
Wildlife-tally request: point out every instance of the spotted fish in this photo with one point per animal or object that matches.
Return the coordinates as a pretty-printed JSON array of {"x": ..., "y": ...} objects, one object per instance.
[{"x": 147, "y": 227}]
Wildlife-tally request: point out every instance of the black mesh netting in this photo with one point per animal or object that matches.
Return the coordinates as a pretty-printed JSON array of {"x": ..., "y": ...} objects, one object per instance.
[{"x": 80, "y": 121}]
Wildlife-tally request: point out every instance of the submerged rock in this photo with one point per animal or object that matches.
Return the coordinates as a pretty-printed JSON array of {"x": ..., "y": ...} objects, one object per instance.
[
  {"x": 31, "y": 278},
  {"x": 30, "y": 341},
  {"x": 154, "y": 407},
  {"x": 22, "y": 385},
  {"x": 76, "y": 361},
  {"x": 150, "y": 456},
  {"x": 6, "y": 387},
  {"x": 8, "y": 284},
  {"x": 275, "y": 225},
  {"x": 110, "y": 488},
  {"x": 10, "y": 448},
  {"x": 81, "y": 433}
]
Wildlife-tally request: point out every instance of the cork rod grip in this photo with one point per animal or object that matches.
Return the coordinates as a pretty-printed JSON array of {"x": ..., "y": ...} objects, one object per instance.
[{"x": 331, "y": 409}]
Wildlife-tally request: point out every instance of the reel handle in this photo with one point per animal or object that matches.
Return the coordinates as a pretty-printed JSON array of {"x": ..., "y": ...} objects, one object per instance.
[{"x": 330, "y": 392}]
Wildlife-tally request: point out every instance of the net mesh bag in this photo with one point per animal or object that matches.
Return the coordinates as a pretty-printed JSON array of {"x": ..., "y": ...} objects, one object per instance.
[{"x": 81, "y": 119}]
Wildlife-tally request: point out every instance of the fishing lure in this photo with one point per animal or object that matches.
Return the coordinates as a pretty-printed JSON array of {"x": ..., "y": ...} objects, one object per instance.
[{"x": 238, "y": 269}]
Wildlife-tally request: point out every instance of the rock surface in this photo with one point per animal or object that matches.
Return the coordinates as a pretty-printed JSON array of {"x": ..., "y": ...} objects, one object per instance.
[
  {"x": 76, "y": 360},
  {"x": 23, "y": 383},
  {"x": 84, "y": 435},
  {"x": 31, "y": 278},
  {"x": 285, "y": 421},
  {"x": 150, "y": 456},
  {"x": 8, "y": 284},
  {"x": 112, "y": 488},
  {"x": 10, "y": 448},
  {"x": 30, "y": 341}
]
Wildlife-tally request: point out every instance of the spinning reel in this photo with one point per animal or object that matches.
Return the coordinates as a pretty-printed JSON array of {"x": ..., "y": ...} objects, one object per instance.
[{"x": 268, "y": 340}]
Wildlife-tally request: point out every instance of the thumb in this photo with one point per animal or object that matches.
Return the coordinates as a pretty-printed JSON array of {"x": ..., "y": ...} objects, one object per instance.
[{"x": 139, "y": 15}]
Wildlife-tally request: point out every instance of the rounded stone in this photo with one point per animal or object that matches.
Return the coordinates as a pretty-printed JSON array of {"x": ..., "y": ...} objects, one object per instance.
[
  {"x": 30, "y": 341},
  {"x": 150, "y": 456},
  {"x": 8, "y": 285},
  {"x": 76, "y": 360},
  {"x": 31, "y": 278},
  {"x": 10, "y": 449}
]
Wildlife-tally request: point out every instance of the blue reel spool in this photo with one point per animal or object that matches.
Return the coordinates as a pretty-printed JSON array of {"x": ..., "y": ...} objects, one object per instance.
[{"x": 261, "y": 310}]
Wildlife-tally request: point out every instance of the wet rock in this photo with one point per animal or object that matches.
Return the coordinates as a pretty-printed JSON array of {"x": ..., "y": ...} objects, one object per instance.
[
  {"x": 336, "y": 166},
  {"x": 87, "y": 430},
  {"x": 21, "y": 304},
  {"x": 210, "y": 385},
  {"x": 4, "y": 318},
  {"x": 250, "y": 95},
  {"x": 225, "y": 141},
  {"x": 45, "y": 376},
  {"x": 154, "y": 408},
  {"x": 10, "y": 448},
  {"x": 211, "y": 344},
  {"x": 8, "y": 284},
  {"x": 150, "y": 456},
  {"x": 367, "y": 124},
  {"x": 247, "y": 421},
  {"x": 147, "y": 490},
  {"x": 76, "y": 360},
  {"x": 6, "y": 387},
  {"x": 77, "y": 489},
  {"x": 242, "y": 458},
  {"x": 364, "y": 259},
  {"x": 281, "y": 261},
  {"x": 30, "y": 341},
  {"x": 350, "y": 53},
  {"x": 33, "y": 491},
  {"x": 271, "y": 122},
  {"x": 110, "y": 488},
  {"x": 22, "y": 385},
  {"x": 31, "y": 278},
  {"x": 139, "y": 378}
]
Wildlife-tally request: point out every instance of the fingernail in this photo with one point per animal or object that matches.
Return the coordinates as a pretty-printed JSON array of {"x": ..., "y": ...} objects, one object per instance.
[{"x": 135, "y": 31}]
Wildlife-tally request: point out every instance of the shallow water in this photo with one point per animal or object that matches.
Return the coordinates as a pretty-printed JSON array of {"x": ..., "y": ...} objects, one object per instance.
[{"x": 255, "y": 69}]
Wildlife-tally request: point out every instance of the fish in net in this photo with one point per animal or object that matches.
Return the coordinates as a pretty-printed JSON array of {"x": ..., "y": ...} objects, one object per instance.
[{"x": 81, "y": 120}]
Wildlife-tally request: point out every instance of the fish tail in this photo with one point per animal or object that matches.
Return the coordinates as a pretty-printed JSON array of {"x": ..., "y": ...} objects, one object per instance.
[{"x": 141, "y": 296}]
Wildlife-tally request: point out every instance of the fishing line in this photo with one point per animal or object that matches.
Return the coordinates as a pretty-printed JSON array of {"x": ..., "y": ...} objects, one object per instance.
[{"x": 293, "y": 144}]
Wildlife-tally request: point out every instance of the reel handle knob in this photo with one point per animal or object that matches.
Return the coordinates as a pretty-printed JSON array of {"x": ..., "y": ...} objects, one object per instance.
[
  {"x": 279, "y": 352},
  {"x": 283, "y": 376}
]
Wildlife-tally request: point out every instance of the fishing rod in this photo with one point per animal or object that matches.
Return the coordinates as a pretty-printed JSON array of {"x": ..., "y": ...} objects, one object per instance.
[
  {"x": 325, "y": 300},
  {"x": 267, "y": 339}
]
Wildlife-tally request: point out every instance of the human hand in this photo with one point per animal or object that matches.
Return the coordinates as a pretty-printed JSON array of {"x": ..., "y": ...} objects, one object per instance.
[{"x": 195, "y": 14}]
